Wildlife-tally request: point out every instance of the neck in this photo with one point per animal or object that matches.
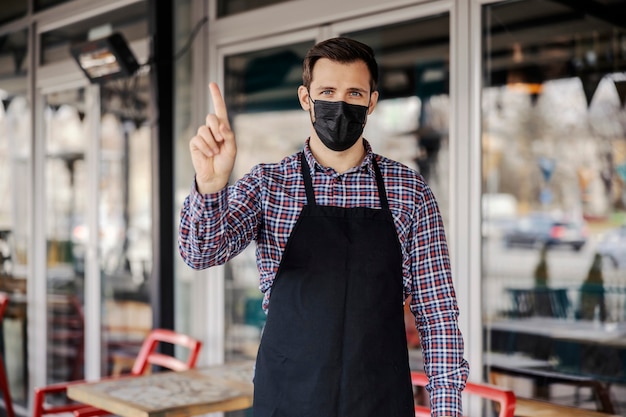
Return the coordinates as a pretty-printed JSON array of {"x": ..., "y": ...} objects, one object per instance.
[{"x": 339, "y": 161}]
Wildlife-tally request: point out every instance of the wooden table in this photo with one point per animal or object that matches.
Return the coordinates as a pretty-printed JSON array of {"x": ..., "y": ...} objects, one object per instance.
[{"x": 171, "y": 394}]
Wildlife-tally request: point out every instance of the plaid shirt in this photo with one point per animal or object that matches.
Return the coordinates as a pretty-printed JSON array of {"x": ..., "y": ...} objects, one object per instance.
[{"x": 264, "y": 206}]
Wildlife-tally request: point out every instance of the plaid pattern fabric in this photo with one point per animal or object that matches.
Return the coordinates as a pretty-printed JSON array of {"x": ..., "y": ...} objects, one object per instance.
[{"x": 264, "y": 205}]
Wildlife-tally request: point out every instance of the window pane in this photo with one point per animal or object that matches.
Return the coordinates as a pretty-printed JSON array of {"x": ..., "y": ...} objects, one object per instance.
[
  {"x": 554, "y": 199},
  {"x": 13, "y": 63},
  {"x": 43, "y": 4},
  {"x": 15, "y": 163},
  {"x": 261, "y": 95},
  {"x": 125, "y": 219},
  {"x": 411, "y": 120},
  {"x": 230, "y": 7},
  {"x": 12, "y": 9},
  {"x": 66, "y": 136}
]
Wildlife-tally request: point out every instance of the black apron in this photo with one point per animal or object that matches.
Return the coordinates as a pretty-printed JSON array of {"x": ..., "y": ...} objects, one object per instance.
[{"x": 334, "y": 343}]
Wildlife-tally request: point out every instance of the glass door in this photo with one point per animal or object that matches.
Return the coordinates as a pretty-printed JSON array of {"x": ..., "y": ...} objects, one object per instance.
[{"x": 410, "y": 124}]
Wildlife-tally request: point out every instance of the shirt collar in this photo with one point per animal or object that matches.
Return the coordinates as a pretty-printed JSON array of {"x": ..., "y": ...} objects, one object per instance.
[{"x": 314, "y": 166}]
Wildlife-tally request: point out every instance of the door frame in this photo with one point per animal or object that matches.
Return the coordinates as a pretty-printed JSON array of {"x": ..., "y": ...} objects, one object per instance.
[{"x": 282, "y": 20}]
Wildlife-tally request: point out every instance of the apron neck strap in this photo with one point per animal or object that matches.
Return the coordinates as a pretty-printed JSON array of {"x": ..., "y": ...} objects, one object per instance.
[
  {"x": 308, "y": 183},
  {"x": 382, "y": 193}
]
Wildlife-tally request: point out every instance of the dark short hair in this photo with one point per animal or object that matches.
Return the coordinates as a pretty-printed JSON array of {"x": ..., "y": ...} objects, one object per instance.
[{"x": 342, "y": 50}]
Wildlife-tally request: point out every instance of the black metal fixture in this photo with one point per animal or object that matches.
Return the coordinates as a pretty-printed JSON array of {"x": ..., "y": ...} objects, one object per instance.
[{"x": 105, "y": 59}]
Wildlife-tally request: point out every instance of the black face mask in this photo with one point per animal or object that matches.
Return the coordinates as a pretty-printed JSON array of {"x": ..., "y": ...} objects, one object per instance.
[{"x": 338, "y": 124}]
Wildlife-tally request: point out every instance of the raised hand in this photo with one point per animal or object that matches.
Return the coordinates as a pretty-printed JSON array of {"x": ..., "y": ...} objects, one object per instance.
[{"x": 213, "y": 149}]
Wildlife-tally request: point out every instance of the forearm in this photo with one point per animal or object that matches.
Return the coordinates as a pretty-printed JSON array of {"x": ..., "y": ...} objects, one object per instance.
[
  {"x": 214, "y": 227},
  {"x": 198, "y": 218},
  {"x": 447, "y": 370},
  {"x": 435, "y": 308}
]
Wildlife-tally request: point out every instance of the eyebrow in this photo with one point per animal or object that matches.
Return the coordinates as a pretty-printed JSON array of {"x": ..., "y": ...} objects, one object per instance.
[{"x": 358, "y": 89}]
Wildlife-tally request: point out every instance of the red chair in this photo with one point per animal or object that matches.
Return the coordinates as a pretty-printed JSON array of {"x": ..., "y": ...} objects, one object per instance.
[
  {"x": 4, "y": 384},
  {"x": 148, "y": 355},
  {"x": 503, "y": 396}
]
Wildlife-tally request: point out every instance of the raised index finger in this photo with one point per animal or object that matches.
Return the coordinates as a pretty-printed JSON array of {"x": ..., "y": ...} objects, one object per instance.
[{"x": 218, "y": 103}]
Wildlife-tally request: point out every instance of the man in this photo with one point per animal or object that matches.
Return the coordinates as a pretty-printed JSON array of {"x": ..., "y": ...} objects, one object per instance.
[{"x": 343, "y": 237}]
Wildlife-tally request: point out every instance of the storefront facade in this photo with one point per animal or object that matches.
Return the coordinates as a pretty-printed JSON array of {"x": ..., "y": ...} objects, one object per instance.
[{"x": 513, "y": 111}]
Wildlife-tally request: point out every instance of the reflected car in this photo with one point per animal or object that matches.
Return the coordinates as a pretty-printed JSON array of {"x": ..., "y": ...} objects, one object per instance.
[
  {"x": 612, "y": 247},
  {"x": 537, "y": 230}
]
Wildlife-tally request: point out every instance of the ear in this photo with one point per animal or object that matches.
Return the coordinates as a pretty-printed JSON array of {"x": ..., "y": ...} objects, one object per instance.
[
  {"x": 303, "y": 96},
  {"x": 373, "y": 102}
]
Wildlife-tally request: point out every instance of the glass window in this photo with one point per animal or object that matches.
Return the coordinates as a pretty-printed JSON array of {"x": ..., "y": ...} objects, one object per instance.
[
  {"x": 125, "y": 220},
  {"x": 15, "y": 185},
  {"x": 124, "y": 225},
  {"x": 44, "y": 4},
  {"x": 13, "y": 63},
  {"x": 66, "y": 137},
  {"x": 554, "y": 195},
  {"x": 12, "y": 9},
  {"x": 230, "y": 7},
  {"x": 411, "y": 120},
  {"x": 261, "y": 94}
]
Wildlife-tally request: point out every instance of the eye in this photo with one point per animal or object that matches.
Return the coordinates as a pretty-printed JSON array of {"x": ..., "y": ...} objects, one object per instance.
[{"x": 326, "y": 92}]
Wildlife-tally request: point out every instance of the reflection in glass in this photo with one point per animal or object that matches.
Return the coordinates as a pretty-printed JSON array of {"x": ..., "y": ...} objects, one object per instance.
[
  {"x": 410, "y": 124},
  {"x": 14, "y": 163},
  {"x": 124, "y": 232},
  {"x": 261, "y": 95},
  {"x": 65, "y": 215},
  {"x": 411, "y": 121},
  {"x": 125, "y": 219},
  {"x": 230, "y": 7},
  {"x": 43, "y": 4},
  {"x": 13, "y": 9},
  {"x": 554, "y": 195},
  {"x": 15, "y": 160}
]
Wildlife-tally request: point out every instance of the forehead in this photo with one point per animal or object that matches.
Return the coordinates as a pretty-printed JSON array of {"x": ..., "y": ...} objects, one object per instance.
[{"x": 327, "y": 73}]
